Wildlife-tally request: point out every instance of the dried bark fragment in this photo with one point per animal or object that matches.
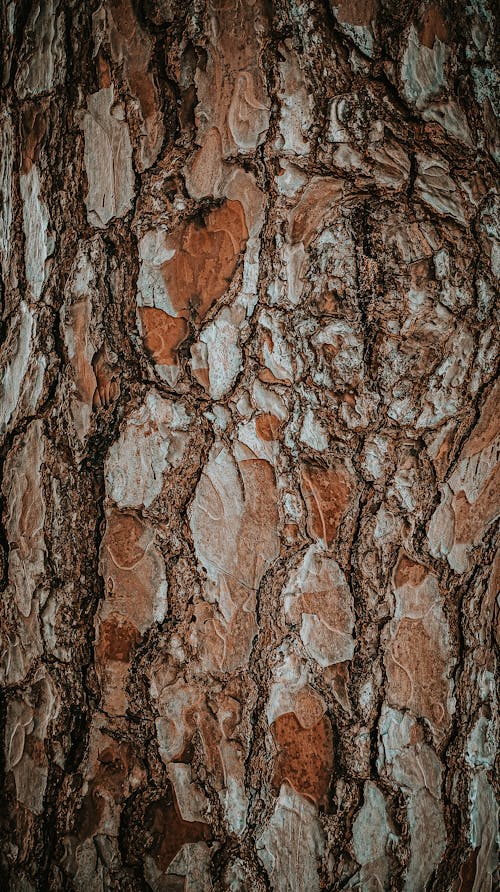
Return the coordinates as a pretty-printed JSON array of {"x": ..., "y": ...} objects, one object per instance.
[
  {"x": 108, "y": 159},
  {"x": 115, "y": 22},
  {"x": 437, "y": 189},
  {"x": 371, "y": 832},
  {"x": 6, "y": 170},
  {"x": 468, "y": 503},
  {"x": 153, "y": 439},
  {"x": 26, "y": 730},
  {"x": 414, "y": 765},
  {"x": 290, "y": 848},
  {"x": 136, "y": 596},
  {"x": 15, "y": 371},
  {"x": 235, "y": 551},
  {"x": 35, "y": 224},
  {"x": 418, "y": 659},
  {"x": 24, "y": 521},
  {"x": 231, "y": 87},
  {"x": 318, "y": 599},
  {"x": 42, "y": 61},
  {"x": 327, "y": 493}
]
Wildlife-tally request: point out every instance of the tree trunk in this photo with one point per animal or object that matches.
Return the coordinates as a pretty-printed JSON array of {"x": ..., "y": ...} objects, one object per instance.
[{"x": 249, "y": 429}]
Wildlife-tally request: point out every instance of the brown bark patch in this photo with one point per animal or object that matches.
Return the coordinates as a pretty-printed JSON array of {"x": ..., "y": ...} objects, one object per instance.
[
  {"x": 108, "y": 379},
  {"x": 206, "y": 254},
  {"x": 415, "y": 673},
  {"x": 409, "y": 573},
  {"x": 488, "y": 425},
  {"x": 123, "y": 539},
  {"x": 326, "y": 492},
  {"x": 433, "y": 26},
  {"x": 33, "y": 128},
  {"x": 163, "y": 334},
  {"x": 267, "y": 426},
  {"x": 84, "y": 377},
  {"x": 117, "y": 639},
  {"x": 109, "y": 781},
  {"x": 169, "y": 832},
  {"x": 468, "y": 873},
  {"x": 470, "y": 520},
  {"x": 356, "y": 12},
  {"x": 305, "y": 756}
]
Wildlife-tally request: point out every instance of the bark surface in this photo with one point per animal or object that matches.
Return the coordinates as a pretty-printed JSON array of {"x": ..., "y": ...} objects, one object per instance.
[{"x": 249, "y": 445}]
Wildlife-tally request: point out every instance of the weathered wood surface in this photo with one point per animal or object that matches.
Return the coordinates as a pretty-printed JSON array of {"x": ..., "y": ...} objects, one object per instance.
[{"x": 249, "y": 441}]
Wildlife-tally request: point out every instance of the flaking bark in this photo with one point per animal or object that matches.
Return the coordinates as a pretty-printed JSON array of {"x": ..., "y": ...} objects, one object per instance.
[{"x": 249, "y": 256}]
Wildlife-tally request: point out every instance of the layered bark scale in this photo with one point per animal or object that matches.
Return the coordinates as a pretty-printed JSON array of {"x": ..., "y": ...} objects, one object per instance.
[{"x": 249, "y": 441}]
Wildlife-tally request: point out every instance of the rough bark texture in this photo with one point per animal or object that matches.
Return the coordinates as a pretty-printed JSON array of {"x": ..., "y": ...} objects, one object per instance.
[{"x": 249, "y": 425}]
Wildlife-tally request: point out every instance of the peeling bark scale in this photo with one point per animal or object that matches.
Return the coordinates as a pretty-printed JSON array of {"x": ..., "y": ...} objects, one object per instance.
[{"x": 249, "y": 424}]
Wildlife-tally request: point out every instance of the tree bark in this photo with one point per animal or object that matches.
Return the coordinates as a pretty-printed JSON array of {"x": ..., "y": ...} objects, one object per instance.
[{"x": 249, "y": 444}]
